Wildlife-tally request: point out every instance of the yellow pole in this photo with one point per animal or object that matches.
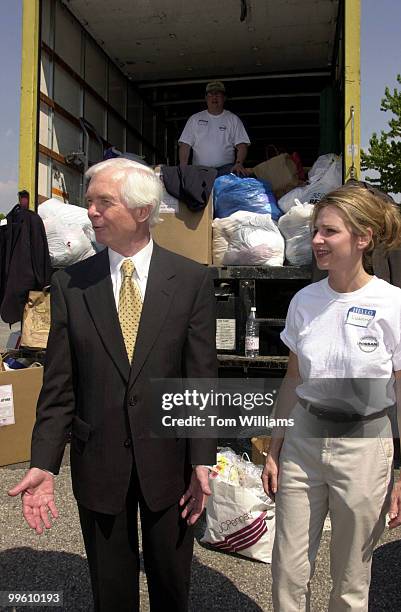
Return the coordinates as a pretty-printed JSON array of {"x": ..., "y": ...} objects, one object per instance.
[
  {"x": 352, "y": 101},
  {"x": 29, "y": 98}
]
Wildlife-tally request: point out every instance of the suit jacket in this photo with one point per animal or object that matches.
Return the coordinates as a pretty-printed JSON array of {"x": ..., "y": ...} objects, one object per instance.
[
  {"x": 25, "y": 261},
  {"x": 90, "y": 387}
]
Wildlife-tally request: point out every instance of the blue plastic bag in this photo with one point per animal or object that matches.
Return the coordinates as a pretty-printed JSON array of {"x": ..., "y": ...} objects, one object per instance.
[{"x": 232, "y": 193}]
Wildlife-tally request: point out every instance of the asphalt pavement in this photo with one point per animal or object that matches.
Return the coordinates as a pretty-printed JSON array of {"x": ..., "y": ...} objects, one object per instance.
[{"x": 5, "y": 333}]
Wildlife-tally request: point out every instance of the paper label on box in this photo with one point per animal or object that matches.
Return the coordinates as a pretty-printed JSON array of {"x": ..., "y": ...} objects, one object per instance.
[
  {"x": 225, "y": 334},
  {"x": 169, "y": 204},
  {"x": 6, "y": 405}
]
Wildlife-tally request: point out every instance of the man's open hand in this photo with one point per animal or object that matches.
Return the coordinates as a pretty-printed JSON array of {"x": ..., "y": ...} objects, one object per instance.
[
  {"x": 194, "y": 499},
  {"x": 37, "y": 494}
]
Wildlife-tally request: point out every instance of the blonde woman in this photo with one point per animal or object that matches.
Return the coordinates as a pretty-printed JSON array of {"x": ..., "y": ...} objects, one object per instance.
[{"x": 344, "y": 336}]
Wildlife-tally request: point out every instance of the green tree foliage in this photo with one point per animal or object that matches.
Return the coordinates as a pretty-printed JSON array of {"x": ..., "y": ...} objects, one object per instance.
[{"x": 384, "y": 154}]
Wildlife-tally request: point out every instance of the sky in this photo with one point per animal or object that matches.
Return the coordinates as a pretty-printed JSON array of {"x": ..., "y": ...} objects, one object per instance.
[
  {"x": 380, "y": 63},
  {"x": 10, "y": 67}
]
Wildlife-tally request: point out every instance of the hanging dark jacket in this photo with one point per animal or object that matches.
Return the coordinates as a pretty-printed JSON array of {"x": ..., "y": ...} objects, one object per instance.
[
  {"x": 190, "y": 184},
  {"x": 25, "y": 261}
]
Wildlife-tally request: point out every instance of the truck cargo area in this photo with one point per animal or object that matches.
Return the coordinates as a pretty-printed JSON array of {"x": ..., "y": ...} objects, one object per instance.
[{"x": 137, "y": 70}]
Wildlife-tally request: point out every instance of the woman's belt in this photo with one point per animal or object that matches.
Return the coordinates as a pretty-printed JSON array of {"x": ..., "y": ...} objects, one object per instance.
[{"x": 337, "y": 416}]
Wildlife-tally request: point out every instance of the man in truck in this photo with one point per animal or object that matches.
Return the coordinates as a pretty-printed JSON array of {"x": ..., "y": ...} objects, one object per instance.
[
  {"x": 131, "y": 313},
  {"x": 216, "y": 136}
]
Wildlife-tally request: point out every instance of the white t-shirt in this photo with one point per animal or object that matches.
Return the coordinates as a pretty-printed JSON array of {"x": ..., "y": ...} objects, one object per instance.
[
  {"x": 339, "y": 336},
  {"x": 213, "y": 138}
]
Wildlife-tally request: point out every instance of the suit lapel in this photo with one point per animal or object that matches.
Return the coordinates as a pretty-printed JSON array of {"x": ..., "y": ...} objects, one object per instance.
[
  {"x": 102, "y": 307},
  {"x": 159, "y": 292}
]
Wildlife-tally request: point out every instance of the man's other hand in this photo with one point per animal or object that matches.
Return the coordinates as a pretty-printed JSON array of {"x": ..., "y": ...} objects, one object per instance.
[
  {"x": 37, "y": 494},
  {"x": 239, "y": 169},
  {"x": 195, "y": 498}
]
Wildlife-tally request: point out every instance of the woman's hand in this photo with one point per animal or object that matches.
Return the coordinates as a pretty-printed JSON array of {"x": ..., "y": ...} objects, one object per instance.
[
  {"x": 271, "y": 469},
  {"x": 270, "y": 475},
  {"x": 395, "y": 507},
  {"x": 285, "y": 403}
]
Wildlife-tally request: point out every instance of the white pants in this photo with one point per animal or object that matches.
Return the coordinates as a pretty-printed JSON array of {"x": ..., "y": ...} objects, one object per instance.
[{"x": 352, "y": 478}]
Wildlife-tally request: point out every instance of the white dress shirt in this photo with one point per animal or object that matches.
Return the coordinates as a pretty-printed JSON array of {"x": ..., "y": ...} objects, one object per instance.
[{"x": 141, "y": 262}]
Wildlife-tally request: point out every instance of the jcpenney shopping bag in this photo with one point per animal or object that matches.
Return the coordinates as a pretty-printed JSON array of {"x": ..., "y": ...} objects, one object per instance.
[{"x": 239, "y": 516}]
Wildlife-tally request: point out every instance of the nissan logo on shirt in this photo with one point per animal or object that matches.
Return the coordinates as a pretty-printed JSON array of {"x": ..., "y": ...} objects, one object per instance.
[{"x": 368, "y": 344}]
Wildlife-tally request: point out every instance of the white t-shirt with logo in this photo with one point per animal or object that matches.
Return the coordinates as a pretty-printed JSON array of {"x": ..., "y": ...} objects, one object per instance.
[
  {"x": 353, "y": 336},
  {"x": 213, "y": 138}
]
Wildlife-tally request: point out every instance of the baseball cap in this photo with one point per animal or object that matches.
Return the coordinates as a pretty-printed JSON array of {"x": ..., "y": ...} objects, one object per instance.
[{"x": 215, "y": 86}]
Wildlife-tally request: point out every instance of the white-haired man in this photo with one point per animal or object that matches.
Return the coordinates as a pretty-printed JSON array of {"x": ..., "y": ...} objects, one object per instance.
[
  {"x": 129, "y": 314},
  {"x": 216, "y": 136}
]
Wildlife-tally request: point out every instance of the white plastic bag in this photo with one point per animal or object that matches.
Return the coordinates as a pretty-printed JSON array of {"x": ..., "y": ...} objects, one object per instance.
[
  {"x": 219, "y": 243},
  {"x": 324, "y": 176},
  {"x": 253, "y": 239},
  {"x": 239, "y": 516},
  {"x": 298, "y": 250},
  {"x": 69, "y": 232},
  {"x": 321, "y": 166},
  {"x": 67, "y": 213},
  {"x": 295, "y": 227},
  {"x": 67, "y": 243}
]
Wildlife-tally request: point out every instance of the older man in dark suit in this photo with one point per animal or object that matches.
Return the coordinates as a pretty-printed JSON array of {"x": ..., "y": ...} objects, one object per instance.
[{"x": 129, "y": 314}]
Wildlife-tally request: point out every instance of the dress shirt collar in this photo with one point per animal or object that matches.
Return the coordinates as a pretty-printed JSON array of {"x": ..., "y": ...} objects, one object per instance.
[{"x": 141, "y": 261}]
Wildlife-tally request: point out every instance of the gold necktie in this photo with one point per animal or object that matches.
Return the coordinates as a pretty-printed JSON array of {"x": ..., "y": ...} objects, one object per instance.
[{"x": 129, "y": 307}]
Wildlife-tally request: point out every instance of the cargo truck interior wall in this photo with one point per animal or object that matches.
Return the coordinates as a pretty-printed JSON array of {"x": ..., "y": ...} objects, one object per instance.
[
  {"x": 278, "y": 64},
  {"x": 137, "y": 71},
  {"x": 281, "y": 68},
  {"x": 79, "y": 81}
]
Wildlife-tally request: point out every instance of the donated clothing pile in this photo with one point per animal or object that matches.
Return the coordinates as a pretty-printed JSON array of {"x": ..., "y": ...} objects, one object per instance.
[
  {"x": 251, "y": 228},
  {"x": 233, "y": 193},
  {"x": 248, "y": 239},
  {"x": 245, "y": 228},
  {"x": 324, "y": 176},
  {"x": 296, "y": 229},
  {"x": 69, "y": 232}
]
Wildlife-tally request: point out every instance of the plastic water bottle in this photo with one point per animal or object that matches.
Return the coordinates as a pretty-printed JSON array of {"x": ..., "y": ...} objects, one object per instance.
[{"x": 252, "y": 335}]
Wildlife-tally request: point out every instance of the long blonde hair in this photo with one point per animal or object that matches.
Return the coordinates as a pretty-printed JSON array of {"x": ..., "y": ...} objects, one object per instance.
[{"x": 363, "y": 206}]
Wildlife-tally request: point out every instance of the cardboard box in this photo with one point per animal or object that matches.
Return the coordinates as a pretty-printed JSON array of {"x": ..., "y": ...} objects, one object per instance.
[
  {"x": 15, "y": 440},
  {"x": 187, "y": 233}
]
